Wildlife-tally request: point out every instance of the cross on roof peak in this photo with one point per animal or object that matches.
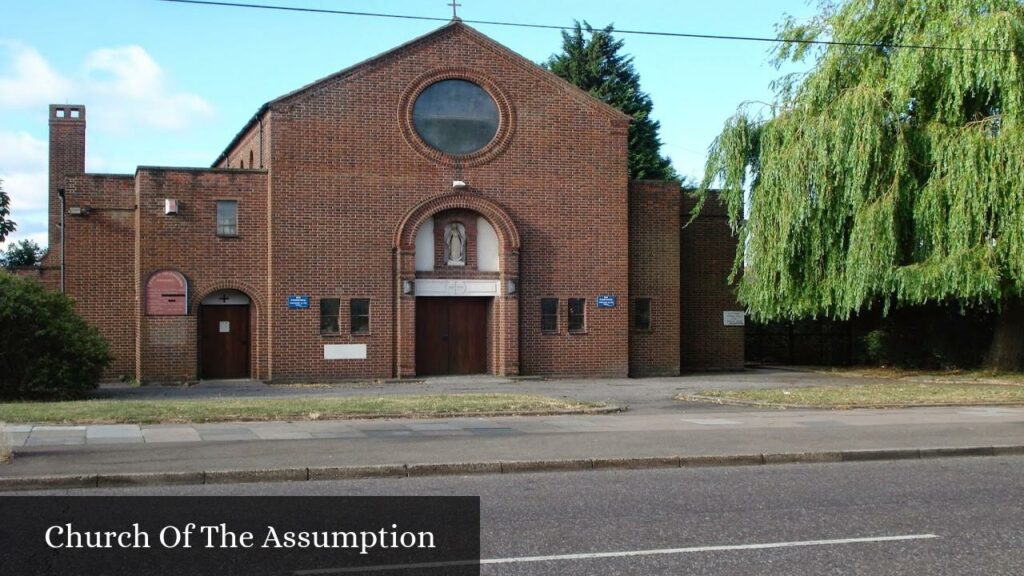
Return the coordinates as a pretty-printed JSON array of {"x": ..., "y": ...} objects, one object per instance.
[{"x": 455, "y": 9}]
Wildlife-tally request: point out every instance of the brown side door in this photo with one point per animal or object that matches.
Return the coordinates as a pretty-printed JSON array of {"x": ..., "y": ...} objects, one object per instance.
[
  {"x": 224, "y": 342},
  {"x": 451, "y": 336}
]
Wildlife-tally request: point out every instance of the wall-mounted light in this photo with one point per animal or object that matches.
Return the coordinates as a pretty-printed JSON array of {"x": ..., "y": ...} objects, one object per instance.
[
  {"x": 79, "y": 210},
  {"x": 511, "y": 287},
  {"x": 407, "y": 286},
  {"x": 170, "y": 206},
  {"x": 459, "y": 184}
]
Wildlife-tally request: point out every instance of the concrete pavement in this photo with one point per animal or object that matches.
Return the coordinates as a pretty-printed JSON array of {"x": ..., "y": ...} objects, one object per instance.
[
  {"x": 680, "y": 421},
  {"x": 235, "y": 452}
]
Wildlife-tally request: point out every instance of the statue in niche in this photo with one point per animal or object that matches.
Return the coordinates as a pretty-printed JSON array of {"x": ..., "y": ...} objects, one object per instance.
[{"x": 455, "y": 244}]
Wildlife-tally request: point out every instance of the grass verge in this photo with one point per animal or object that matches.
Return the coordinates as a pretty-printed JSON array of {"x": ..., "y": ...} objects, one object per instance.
[
  {"x": 267, "y": 409},
  {"x": 885, "y": 395},
  {"x": 930, "y": 376}
]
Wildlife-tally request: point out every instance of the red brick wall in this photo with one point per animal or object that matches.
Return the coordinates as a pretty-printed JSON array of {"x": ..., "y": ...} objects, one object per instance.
[
  {"x": 344, "y": 176},
  {"x": 654, "y": 273},
  {"x": 48, "y": 276},
  {"x": 99, "y": 258},
  {"x": 252, "y": 149},
  {"x": 707, "y": 252},
  {"x": 188, "y": 243}
]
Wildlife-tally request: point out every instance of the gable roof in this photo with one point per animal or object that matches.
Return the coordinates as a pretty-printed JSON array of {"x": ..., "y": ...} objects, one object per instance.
[{"x": 456, "y": 25}]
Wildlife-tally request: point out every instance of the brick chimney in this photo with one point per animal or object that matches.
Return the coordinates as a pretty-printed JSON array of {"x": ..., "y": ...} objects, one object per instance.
[{"x": 67, "y": 156}]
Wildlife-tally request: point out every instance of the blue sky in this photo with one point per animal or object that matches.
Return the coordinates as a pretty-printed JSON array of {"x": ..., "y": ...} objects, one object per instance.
[{"x": 170, "y": 84}]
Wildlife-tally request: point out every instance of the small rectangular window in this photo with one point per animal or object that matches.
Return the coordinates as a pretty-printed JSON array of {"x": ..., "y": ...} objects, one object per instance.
[
  {"x": 360, "y": 310},
  {"x": 577, "y": 317},
  {"x": 227, "y": 217},
  {"x": 549, "y": 314},
  {"x": 329, "y": 315},
  {"x": 642, "y": 314}
]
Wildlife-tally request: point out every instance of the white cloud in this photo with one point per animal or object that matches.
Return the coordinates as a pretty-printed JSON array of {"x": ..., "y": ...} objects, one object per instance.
[
  {"x": 27, "y": 191},
  {"x": 30, "y": 79},
  {"x": 17, "y": 236},
  {"x": 23, "y": 168},
  {"x": 129, "y": 89},
  {"x": 123, "y": 88},
  {"x": 20, "y": 151}
]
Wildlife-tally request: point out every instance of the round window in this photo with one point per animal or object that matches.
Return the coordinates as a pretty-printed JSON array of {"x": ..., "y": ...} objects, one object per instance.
[{"x": 455, "y": 116}]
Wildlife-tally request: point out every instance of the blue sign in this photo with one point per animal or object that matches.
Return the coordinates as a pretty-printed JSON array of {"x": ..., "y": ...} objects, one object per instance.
[
  {"x": 298, "y": 302},
  {"x": 607, "y": 301}
]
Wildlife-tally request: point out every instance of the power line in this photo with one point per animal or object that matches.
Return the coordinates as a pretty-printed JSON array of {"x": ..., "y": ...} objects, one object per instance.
[{"x": 617, "y": 31}]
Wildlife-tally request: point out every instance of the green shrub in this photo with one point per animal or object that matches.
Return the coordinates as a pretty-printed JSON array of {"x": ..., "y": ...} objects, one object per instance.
[
  {"x": 46, "y": 349},
  {"x": 937, "y": 336},
  {"x": 876, "y": 347}
]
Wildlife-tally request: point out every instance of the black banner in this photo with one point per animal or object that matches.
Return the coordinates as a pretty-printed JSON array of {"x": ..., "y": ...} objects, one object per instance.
[{"x": 233, "y": 535}]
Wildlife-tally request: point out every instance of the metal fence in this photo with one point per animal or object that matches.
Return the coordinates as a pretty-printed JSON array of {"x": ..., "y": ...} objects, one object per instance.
[{"x": 803, "y": 342}]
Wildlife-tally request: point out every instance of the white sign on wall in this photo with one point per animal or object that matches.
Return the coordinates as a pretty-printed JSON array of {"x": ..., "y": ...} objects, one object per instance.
[
  {"x": 345, "y": 352},
  {"x": 439, "y": 287},
  {"x": 733, "y": 318}
]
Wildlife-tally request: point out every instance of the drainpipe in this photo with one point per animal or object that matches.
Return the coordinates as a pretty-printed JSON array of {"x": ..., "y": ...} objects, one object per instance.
[{"x": 60, "y": 192}]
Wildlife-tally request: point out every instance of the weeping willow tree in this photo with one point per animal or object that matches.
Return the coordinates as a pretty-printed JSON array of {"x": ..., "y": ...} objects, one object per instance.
[{"x": 890, "y": 174}]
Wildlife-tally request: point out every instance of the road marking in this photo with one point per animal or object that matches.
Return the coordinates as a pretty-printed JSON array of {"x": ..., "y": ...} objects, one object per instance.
[
  {"x": 623, "y": 554},
  {"x": 766, "y": 546},
  {"x": 711, "y": 421}
]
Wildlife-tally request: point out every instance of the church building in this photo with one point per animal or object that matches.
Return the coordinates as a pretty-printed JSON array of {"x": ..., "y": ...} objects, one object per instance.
[{"x": 447, "y": 207}]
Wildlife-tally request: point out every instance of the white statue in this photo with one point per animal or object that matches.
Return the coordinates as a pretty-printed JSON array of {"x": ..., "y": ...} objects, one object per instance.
[{"x": 455, "y": 244}]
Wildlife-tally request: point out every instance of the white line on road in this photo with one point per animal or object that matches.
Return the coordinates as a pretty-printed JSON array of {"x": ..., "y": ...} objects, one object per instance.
[
  {"x": 766, "y": 546},
  {"x": 628, "y": 553}
]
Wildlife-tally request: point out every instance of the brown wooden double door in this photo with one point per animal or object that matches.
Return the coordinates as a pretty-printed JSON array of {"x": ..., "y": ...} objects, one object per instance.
[
  {"x": 224, "y": 342},
  {"x": 451, "y": 335}
]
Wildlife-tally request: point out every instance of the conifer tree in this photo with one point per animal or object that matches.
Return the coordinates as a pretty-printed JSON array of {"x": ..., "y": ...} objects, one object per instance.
[{"x": 591, "y": 60}]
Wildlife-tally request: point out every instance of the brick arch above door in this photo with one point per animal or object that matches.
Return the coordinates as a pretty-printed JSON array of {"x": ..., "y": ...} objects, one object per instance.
[{"x": 508, "y": 234}]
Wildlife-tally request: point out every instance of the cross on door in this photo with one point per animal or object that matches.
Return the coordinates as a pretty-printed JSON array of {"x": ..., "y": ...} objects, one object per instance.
[{"x": 224, "y": 298}]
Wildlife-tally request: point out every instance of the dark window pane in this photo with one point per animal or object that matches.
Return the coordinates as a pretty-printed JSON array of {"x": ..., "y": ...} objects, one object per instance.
[
  {"x": 576, "y": 314},
  {"x": 642, "y": 314},
  {"x": 360, "y": 324},
  {"x": 549, "y": 306},
  {"x": 549, "y": 314},
  {"x": 227, "y": 217},
  {"x": 360, "y": 313},
  {"x": 455, "y": 116},
  {"x": 361, "y": 306},
  {"x": 329, "y": 315}
]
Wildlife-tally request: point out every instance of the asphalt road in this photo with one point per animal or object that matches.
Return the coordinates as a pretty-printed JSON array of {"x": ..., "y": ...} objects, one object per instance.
[{"x": 959, "y": 517}]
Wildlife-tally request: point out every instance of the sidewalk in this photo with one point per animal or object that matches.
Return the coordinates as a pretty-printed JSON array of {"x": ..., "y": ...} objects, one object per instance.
[{"x": 297, "y": 450}]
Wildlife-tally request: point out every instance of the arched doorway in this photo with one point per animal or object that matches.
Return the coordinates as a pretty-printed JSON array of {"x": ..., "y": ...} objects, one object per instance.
[
  {"x": 224, "y": 335},
  {"x": 456, "y": 282}
]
